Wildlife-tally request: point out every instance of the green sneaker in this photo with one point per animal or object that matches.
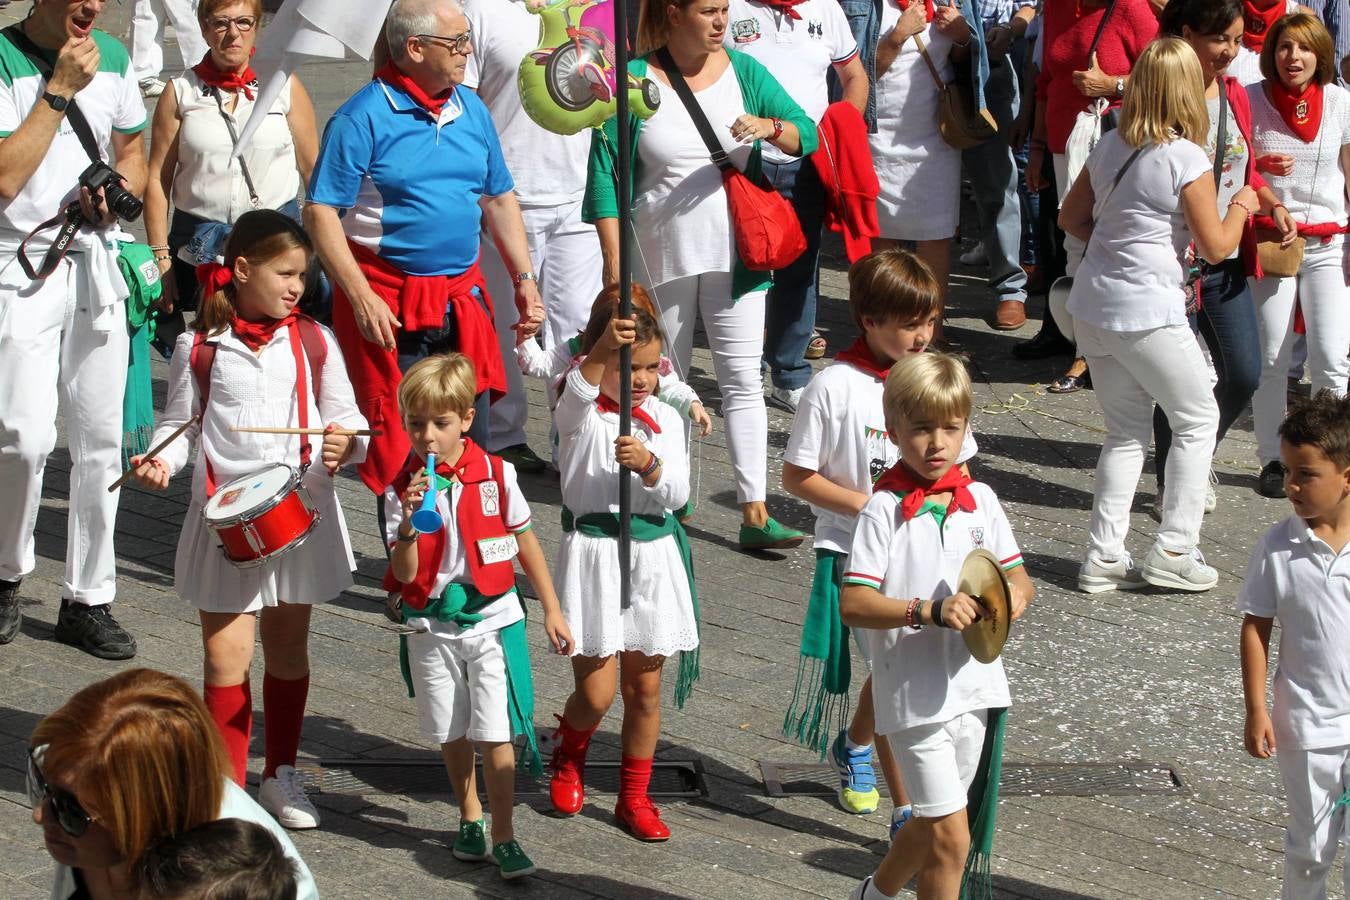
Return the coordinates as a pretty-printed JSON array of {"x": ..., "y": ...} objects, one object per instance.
[
  {"x": 523, "y": 458},
  {"x": 771, "y": 536},
  {"x": 512, "y": 860},
  {"x": 471, "y": 842}
]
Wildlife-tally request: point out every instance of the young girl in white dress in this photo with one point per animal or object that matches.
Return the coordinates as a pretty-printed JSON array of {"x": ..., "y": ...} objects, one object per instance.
[
  {"x": 622, "y": 641},
  {"x": 262, "y": 357}
]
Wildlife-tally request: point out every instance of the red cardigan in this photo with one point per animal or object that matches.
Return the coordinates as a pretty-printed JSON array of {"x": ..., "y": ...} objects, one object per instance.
[
  {"x": 1066, "y": 39},
  {"x": 1242, "y": 114}
]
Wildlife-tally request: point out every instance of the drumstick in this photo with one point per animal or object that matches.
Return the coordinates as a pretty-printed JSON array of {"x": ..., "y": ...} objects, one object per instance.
[
  {"x": 341, "y": 432},
  {"x": 155, "y": 452}
]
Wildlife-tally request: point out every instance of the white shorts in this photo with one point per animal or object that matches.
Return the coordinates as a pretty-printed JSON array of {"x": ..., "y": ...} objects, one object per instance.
[
  {"x": 461, "y": 687},
  {"x": 938, "y": 762}
]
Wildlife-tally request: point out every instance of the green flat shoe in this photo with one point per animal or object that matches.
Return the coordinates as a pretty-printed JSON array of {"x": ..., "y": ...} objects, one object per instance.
[
  {"x": 772, "y": 535},
  {"x": 471, "y": 843},
  {"x": 512, "y": 860}
]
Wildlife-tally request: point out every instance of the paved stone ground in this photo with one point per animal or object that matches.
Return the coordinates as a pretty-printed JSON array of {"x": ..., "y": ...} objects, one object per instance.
[{"x": 1146, "y": 676}]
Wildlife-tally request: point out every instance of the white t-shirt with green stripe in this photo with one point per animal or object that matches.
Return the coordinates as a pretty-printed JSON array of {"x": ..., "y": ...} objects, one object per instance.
[{"x": 110, "y": 102}]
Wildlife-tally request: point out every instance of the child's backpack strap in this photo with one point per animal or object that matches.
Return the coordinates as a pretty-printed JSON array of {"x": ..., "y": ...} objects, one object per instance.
[
  {"x": 202, "y": 358},
  {"x": 316, "y": 351}
]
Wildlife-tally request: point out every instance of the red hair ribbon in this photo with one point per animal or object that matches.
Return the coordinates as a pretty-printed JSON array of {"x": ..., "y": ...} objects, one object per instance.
[{"x": 213, "y": 276}]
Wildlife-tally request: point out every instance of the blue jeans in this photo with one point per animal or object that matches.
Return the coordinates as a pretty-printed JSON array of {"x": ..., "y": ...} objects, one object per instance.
[
  {"x": 790, "y": 313},
  {"x": 1227, "y": 324},
  {"x": 993, "y": 176},
  {"x": 418, "y": 345}
]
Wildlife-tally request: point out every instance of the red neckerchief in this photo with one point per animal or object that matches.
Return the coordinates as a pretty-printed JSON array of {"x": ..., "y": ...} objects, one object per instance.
[
  {"x": 1302, "y": 112},
  {"x": 393, "y": 75},
  {"x": 1258, "y": 23},
  {"x": 606, "y": 405},
  {"x": 785, "y": 7},
  {"x": 898, "y": 479},
  {"x": 216, "y": 77},
  {"x": 927, "y": 8},
  {"x": 257, "y": 335},
  {"x": 860, "y": 356}
]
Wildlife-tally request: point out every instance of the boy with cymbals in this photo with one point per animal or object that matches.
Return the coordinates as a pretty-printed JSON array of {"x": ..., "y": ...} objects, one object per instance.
[
  {"x": 933, "y": 699},
  {"x": 466, "y": 659},
  {"x": 836, "y": 451},
  {"x": 1300, "y": 574}
]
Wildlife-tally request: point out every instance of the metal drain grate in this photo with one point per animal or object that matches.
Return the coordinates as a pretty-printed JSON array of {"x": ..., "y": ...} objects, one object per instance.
[
  {"x": 1062, "y": 780},
  {"x": 426, "y": 776}
]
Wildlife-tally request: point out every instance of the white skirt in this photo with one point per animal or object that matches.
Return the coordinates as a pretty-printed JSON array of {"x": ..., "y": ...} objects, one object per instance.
[
  {"x": 660, "y": 618},
  {"x": 314, "y": 572}
]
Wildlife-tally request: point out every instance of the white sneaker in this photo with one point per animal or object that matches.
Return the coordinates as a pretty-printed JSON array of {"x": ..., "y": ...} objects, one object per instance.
[
  {"x": 284, "y": 797},
  {"x": 151, "y": 87},
  {"x": 860, "y": 891},
  {"x": 975, "y": 256},
  {"x": 788, "y": 398},
  {"x": 1183, "y": 573},
  {"x": 1095, "y": 577},
  {"x": 1211, "y": 493}
]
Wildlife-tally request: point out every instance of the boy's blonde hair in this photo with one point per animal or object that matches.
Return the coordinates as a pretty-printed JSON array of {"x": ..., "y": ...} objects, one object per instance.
[
  {"x": 926, "y": 386},
  {"x": 1166, "y": 96},
  {"x": 439, "y": 384},
  {"x": 892, "y": 286}
]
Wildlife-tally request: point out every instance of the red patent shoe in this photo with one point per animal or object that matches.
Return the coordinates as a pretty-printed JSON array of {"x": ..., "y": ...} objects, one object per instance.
[
  {"x": 565, "y": 788},
  {"x": 640, "y": 818}
]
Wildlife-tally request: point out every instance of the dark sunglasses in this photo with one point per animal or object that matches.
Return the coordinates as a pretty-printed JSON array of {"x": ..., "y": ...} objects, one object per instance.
[{"x": 72, "y": 818}]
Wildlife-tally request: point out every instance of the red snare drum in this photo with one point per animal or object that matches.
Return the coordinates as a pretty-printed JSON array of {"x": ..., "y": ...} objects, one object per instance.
[{"x": 261, "y": 516}]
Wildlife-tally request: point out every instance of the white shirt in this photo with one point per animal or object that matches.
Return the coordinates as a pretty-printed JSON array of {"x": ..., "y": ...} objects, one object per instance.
[
  {"x": 797, "y": 52},
  {"x": 1131, "y": 275},
  {"x": 207, "y": 181},
  {"x": 454, "y": 566},
  {"x": 1293, "y": 576},
  {"x": 1314, "y": 192},
  {"x": 839, "y": 431},
  {"x": 927, "y": 676},
  {"x": 552, "y": 364},
  {"x": 680, "y": 208},
  {"x": 590, "y": 473}
]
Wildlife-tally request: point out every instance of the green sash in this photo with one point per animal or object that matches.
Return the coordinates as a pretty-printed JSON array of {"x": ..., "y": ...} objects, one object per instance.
[
  {"x": 977, "y": 882},
  {"x": 141, "y": 274},
  {"x": 460, "y": 603},
  {"x": 651, "y": 528},
  {"x": 820, "y": 701}
]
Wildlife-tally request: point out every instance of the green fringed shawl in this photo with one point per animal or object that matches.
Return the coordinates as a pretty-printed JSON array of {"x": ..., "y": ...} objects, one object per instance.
[
  {"x": 650, "y": 528},
  {"x": 977, "y": 882},
  {"x": 141, "y": 274},
  {"x": 820, "y": 698},
  {"x": 460, "y": 604}
]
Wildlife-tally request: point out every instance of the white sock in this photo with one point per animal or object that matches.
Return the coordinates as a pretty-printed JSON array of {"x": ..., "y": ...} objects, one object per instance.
[
  {"x": 854, "y": 748},
  {"x": 874, "y": 893}
]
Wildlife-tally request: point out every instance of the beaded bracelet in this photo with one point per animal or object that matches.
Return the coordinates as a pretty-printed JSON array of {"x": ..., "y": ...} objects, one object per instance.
[
  {"x": 912, "y": 613},
  {"x": 653, "y": 464}
]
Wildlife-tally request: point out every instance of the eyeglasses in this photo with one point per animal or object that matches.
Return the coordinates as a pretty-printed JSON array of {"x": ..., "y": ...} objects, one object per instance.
[
  {"x": 222, "y": 24},
  {"x": 457, "y": 44},
  {"x": 72, "y": 818}
]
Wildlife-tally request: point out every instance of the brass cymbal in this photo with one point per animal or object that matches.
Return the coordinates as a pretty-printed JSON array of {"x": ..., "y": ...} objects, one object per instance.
[{"x": 982, "y": 578}]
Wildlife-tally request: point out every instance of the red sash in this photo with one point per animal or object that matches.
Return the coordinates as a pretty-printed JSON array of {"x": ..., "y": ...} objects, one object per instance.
[{"x": 898, "y": 479}]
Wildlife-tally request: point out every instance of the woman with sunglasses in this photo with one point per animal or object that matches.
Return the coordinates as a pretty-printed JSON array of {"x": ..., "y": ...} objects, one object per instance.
[
  {"x": 123, "y": 764},
  {"x": 196, "y": 189}
]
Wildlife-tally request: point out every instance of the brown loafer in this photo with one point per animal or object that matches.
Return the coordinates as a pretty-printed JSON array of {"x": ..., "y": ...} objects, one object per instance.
[{"x": 1011, "y": 315}]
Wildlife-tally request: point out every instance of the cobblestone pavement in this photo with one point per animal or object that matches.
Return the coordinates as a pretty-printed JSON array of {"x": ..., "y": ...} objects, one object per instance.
[{"x": 1146, "y": 677}]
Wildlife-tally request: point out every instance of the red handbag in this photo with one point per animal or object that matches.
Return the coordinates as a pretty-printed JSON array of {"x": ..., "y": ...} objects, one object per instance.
[{"x": 768, "y": 235}]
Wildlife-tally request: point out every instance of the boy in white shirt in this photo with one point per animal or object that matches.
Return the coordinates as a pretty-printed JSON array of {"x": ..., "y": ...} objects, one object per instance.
[
  {"x": 932, "y": 697},
  {"x": 836, "y": 451},
  {"x": 1300, "y": 573}
]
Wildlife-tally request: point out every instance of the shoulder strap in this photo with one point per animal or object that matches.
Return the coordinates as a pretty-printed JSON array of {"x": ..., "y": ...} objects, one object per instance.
[
  {"x": 1101, "y": 26},
  {"x": 76, "y": 118},
  {"x": 202, "y": 359},
  {"x": 932, "y": 69},
  {"x": 1221, "y": 136},
  {"x": 719, "y": 156},
  {"x": 316, "y": 350},
  {"x": 234, "y": 139}
]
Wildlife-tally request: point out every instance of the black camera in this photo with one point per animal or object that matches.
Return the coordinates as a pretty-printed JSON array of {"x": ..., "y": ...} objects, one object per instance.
[{"x": 121, "y": 201}]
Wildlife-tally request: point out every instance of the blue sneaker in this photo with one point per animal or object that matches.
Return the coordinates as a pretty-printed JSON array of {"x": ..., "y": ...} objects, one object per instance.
[
  {"x": 899, "y": 816},
  {"x": 857, "y": 780}
]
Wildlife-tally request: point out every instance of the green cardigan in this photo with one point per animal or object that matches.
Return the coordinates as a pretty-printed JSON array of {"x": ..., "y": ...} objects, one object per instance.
[{"x": 763, "y": 97}]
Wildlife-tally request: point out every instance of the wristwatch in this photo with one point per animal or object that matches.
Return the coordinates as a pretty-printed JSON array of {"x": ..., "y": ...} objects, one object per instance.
[
  {"x": 777, "y": 129},
  {"x": 56, "y": 101},
  {"x": 524, "y": 276},
  {"x": 1120, "y": 87}
]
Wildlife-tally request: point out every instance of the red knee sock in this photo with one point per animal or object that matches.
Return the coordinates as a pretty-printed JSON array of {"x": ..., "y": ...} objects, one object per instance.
[
  {"x": 572, "y": 744},
  {"x": 231, "y": 707},
  {"x": 635, "y": 775},
  {"x": 283, "y": 714}
]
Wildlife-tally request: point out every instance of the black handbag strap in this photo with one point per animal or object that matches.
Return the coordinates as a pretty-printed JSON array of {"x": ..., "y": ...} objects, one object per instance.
[
  {"x": 73, "y": 115},
  {"x": 1101, "y": 26},
  {"x": 705, "y": 131},
  {"x": 1221, "y": 136},
  {"x": 234, "y": 139}
]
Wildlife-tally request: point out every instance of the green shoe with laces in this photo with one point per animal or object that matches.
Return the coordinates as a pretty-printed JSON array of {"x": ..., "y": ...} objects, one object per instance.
[
  {"x": 471, "y": 842},
  {"x": 772, "y": 535},
  {"x": 512, "y": 860}
]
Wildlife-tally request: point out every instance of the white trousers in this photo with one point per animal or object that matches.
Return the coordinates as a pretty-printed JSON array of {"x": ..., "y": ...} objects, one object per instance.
[
  {"x": 1321, "y": 291},
  {"x": 566, "y": 255},
  {"x": 1313, "y": 781},
  {"x": 49, "y": 351},
  {"x": 1130, "y": 372},
  {"x": 735, "y": 330},
  {"x": 147, "y": 35}
]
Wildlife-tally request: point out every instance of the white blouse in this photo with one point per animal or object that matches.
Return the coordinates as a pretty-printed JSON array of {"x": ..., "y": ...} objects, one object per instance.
[
  {"x": 1314, "y": 192},
  {"x": 207, "y": 181}
]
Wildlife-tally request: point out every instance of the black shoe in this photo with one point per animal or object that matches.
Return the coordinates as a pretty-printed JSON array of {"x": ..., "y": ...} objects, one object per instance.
[
  {"x": 10, "y": 616},
  {"x": 94, "y": 630},
  {"x": 1271, "y": 482},
  {"x": 1042, "y": 346}
]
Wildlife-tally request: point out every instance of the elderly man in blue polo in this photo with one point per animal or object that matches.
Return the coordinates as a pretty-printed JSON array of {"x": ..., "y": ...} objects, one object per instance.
[{"x": 409, "y": 171}]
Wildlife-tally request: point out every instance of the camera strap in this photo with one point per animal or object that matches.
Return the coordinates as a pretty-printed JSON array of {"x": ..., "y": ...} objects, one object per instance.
[{"x": 77, "y": 121}]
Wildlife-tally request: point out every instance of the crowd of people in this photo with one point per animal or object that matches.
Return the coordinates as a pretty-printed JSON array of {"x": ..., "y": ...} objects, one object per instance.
[{"x": 376, "y": 296}]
